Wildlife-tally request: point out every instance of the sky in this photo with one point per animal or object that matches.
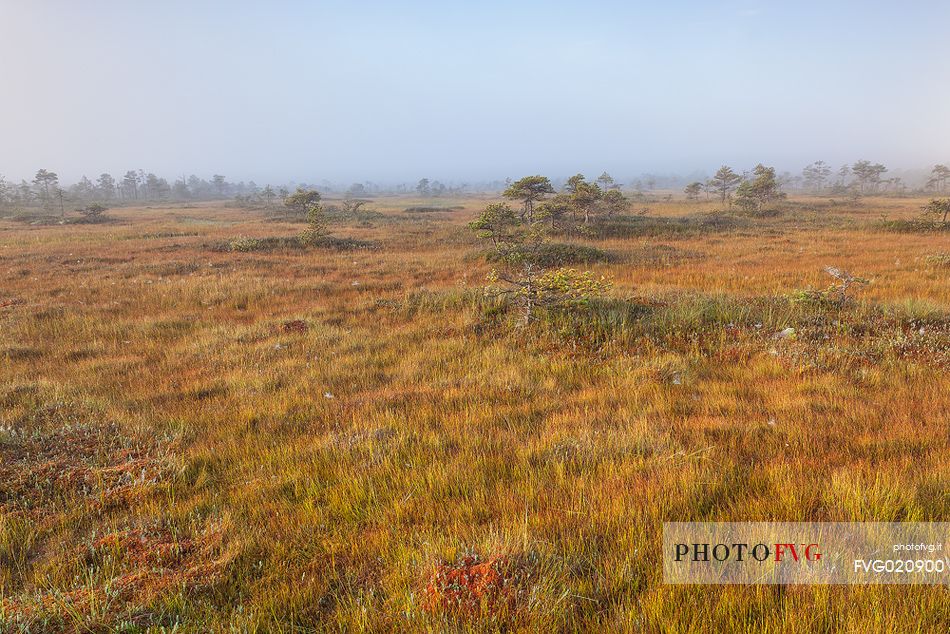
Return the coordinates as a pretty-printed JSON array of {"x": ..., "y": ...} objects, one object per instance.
[{"x": 356, "y": 90}]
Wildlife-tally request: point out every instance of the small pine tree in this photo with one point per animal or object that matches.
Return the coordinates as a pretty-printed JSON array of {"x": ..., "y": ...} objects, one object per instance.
[
  {"x": 753, "y": 194},
  {"x": 300, "y": 201},
  {"x": 938, "y": 209},
  {"x": 522, "y": 277},
  {"x": 693, "y": 190},
  {"x": 93, "y": 212},
  {"x": 724, "y": 182},
  {"x": 316, "y": 224}
]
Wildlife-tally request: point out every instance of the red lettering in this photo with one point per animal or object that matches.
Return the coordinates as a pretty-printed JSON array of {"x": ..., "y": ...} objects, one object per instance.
[{"x": 780, "y": 550}]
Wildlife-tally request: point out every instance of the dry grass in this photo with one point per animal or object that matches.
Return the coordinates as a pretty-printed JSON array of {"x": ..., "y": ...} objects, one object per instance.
[{"x": 305, "y": 440}]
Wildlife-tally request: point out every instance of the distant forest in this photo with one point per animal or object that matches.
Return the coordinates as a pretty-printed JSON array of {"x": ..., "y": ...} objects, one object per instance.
[{"x": 45, "y": 190}]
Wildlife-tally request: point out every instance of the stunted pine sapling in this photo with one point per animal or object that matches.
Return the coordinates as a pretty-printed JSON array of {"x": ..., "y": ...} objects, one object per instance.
[
  {"x": 93, "y": 212},
  {"x": 522, "y": 278},
  {"x": 838, "y": 293},
  {"x": 938, "y": 209},
  {"x": 693, "y": 190},
  {"x": 754, "y": 194},
  {"x": 533, "y": 287},
  {"x": 352, "y": 205},
  {"x": 301, "y": 200},
  {"x": 499, "y": 224},
  {"x": 316, "y": 224}
]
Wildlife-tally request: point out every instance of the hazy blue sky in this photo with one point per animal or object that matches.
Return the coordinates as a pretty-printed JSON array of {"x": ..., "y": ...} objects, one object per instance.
[{"x": 467, "y": 91}]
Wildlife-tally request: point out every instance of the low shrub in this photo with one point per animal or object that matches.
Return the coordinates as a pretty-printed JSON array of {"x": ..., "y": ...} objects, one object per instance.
[
  {"x": 653, "y": 227},
  {"x": 93, "y": 213},
  {"x": 430, "y": 209},
  {"x": 835, "y": 296},
  {"x": 345, "y": 213},
  {"x": 771, "y": 212},
  {"x": 818, "y": 298},
  {"x": 556, "y": 254},
  {"x": 36, "y": 218},
  {"x": 343, "y": 244},
  {"x": 248, "y": 245},
  {"x": 913, "y": 225},
  {"x": 278, "y": 243}
]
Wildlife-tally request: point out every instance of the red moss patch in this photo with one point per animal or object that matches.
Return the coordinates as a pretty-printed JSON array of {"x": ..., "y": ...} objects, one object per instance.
[
  {"x": 471, "y": 586},
  {"x": 39, "y": 467},
  {"x": 157, "y": 561},
  {"x": 295, "y": 325},
  {"x": 151, "y": 563}
]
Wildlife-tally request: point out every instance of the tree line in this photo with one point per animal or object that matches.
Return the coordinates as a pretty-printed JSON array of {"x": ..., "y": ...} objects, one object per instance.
[
  {"x": 751, "y": 189},
  {"x": 762, "y": 184},
  {"x": 135, "y": 185}
]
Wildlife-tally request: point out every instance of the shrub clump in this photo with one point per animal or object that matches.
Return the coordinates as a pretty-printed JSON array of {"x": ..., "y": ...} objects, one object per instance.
[
  {"x": 933, "y": 219},
  {"x": 315, "y": 235},
  {"x": 561, "y": 254},
  {"x": 92, "y": 214},
  {"x": 431, "y": 209},
  {"x": 277, "y": 243},
  {"x": 914, "y": 225},
  {"x": 835, "y": 296},
  {"x": 756, "y": 194},
  {"x": 655, "y": 227},
  {"x": 250, "y": 245},
  {"x": 300, "y": 202},
  {"x": 938, "y": 211}
]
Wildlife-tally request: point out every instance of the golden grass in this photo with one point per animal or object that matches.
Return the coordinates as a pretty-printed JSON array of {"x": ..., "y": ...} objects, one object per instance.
[{"x": 173, "y": 455}]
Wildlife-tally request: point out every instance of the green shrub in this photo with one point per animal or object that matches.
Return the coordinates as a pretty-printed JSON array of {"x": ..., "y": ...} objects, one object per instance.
[
  {"x": 316, "y": 225},
  {"x": 836, "y": 296},
  {"x": 653, "y": 227},
  {"x": 916, "y": 225},
  {"x": 275, "y": 243},
  {"x": 422, "y": 209},
  {"x": 557, "y": 254},
  {"x": 249, "y": 245},
  {"x": 817, "y": 298}
]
